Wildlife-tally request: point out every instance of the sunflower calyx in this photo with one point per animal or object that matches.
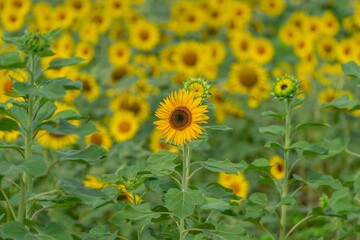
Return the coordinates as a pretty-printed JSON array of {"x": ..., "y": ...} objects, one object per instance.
[
  {"x": 199, "y": 86},
  {"x": 36, "y": 44},
  {"x": 285, "y": 87}
]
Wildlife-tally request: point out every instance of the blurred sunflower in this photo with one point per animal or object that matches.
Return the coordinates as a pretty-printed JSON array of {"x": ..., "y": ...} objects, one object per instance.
[
  {"x": 277, "y": 167},
  {"x": 120, "y": 72},
  {"x": 62, "y": 16},
  {"x": 345, "y": 50},
  {"x": 144, "y": 35},
  {"x": 85, "y": 50},
  {"x": 123, "y": 126},
  {"x": 136, "y": 105},
  {"x": 312, "y": 27},
  {"x": 288, "y": 33},
  {"x": 64, "y": 45},
  {"x": 263, "y": 51},
  {"x": 79, "y": 7},
  {"x": 217, "y": 51},
  {"x": 167, "y": 58},
  {"x": 237, "y": 183},
  {"x": 242, "y": 44},
  {"x": 240, "y": 13},
  {"x": 12, "y": 20},
  {"x": 297, "y": 19},
  {"x": 272, "y": 7},
  {"x": 89, "y": 33},
  {"x": 329, "y": 94},
  {"x": 117, "y": 8},
  {"x": 326, "y": 48},
  {"x": 303, "y": 46},
  {"x": 216, "y": 16},
  {"x": 119, "y": 53},
  {"x": 330, "y": 25},
  {"x": 149, "y": 64},
  {"x": 100, "y": 18},
  {"x": 180, "y": 118},
  {"x": 90, "y": 88},
  {"x": 101, "y": 137},
  {"x": 43, "y": 17},
  {"x": 156, "y": 145}
]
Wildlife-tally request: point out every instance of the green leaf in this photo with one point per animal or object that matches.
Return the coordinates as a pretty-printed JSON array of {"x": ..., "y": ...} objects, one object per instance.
[
  {"x": 228, "y": 232},
  {"x": 76, "y": 189},
  {"x": 218, "y": 191},
  {"x": 273, "y": 144},
  {"x": 66, "y": 83},
  {"x": 138, "y": 215},
  {"x": 334, "y": 146},
  {"x": 259, "y": 199},
  {"x": 342, "y": 102},
  {"x": 341, "y": 201},
  {"x": 260, "y": 164},
  {"x": 217, "y": 127},
  {"x": 12, "y": 60},
  {"x": 351, "y": 69},
  {"x": 14, "y": 230},
  {"x": 274, "y": 114},
  {"x": 68, "y": 114},
  {"x": 357, "y": 184},
  {"x": 35, "y": 166},
  {"x": 49, "y": 91},
  {"x": 315, "y": 180},
  {"x": 63, "y": 127},
  {"x": 276, "y": 130},
  {"x": 310, "y": 124},
  {"x": 182, "y": 204},
  {"x": 51, "y": 35},
  {"x": 91, "y": 155},
  {"x": 215, "y": 204},
  {"x": 223, "y": 166},
  {"x": 57, "y": 231},
  {"x": 296, "y": 102},
  {"x": 7, "y": 124},
  {"x": 309, "y": 149},
  {"x": 162, "y": 156},
  {"x": 19, "y": 113},
  {"x": 63, "y": 62}
]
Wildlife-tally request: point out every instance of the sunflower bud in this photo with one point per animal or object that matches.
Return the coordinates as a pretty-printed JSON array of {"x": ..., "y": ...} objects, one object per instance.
[
  {"x": 200, "y": 86},
  {"x": 35, "y": 43},
  {"x": 323, "y": 203},
  {"x": 285, "y": 87}
]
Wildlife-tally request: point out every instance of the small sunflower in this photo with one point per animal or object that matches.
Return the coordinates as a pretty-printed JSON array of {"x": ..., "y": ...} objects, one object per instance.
[
  {"x": 85, "y": 50},
  {"x": 180, "y": 117},
  {"x": 144, "y": 35},
  {"x": 123, "y": 126},
  {"x": 199, "y": 86},
  {"x": 237, "y": 183},
  {"x": 90, "y": 88},
  {"x": 119, "y": 54},
  {"x": 101, "y": 137},
  {"x": 272, "y": 7},
  {"x": 277, "y": 167},
  {"x": 285, "y": 87}
]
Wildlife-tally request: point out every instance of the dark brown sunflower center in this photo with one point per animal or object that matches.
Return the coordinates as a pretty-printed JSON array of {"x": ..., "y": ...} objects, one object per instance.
[
  {"x": 279, "y": 167},
  {"x": 248, "y": 77},
  {"x": 190, "y": 58},
  {"x": 235, "y": 187},
  {"x": 96, "y": 139},
  {"x": 180, "y": 118},
  {"x": 118, "y": 74},
  {"x": 283, "y": 86},
  {"x": 144, "y": 35},
  {"x": 86, "y": 86}
]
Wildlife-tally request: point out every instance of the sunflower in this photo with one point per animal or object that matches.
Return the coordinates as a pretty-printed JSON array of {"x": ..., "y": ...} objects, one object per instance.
[
  {"x": 85, "y": 50},
  {"x": 217, "y": 51},
  {"x": 240, "y": 14},
  {"x": 167, "y": 58},
  {"x": 101, "y": 137},
  {"x": 148, "y": 63},
  {"x": 297, "y": 19},
  {"x": 277, "y": 167},
  {"x": 330, "y": 25},
  {"x": 62, "y": 16},
  {"x": 64, "y": 46},
  {"x": 89, "y": 33},
  {"x": 312, "y": 27},
  {"x": 90, "y": 88},
  {"x": 285, "y": 87},
  {"x": 144, "y": 35},
  {"x": 326, "y": 48},
  {"x": 79, "y": 7},
  {"x": 216, "y": 16},
  {"x": 180, "y": 117},
  {"x": 123, "y": 126},
  {"x": 242, "y": 44},
  {"x": 303, "y": 46},
  {"x": 345, "y": 50},
  {"x": 288, "y": 33},
  {"x": 12, "y": 21},
  {"x": 117, "y": 8},
  {"x": 190, "y": 20},
  {"x": 272, "y": 7},
  {"x": 100, "y": 19},
  {"x": 119, "y": 53},
  {"x": 328, "y": 95},
  {"x": 120, "y": 72},
  {"x": 247, "y": 78},
  {"x": 19, "y": 6},
  {"x": 93, "y": 182},
  {"x": 237, "y": 183},
  {"x": 134, "y": 104},
  {"x": 263, "y": 51},
  {"x": 156, "y": 145}
]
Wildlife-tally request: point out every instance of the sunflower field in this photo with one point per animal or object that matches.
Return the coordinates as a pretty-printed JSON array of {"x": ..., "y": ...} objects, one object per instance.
[{"x": 180, "y": 119}]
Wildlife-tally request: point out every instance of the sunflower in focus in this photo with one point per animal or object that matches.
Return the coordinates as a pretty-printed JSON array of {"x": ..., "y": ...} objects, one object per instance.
[
  {"x": 123, "y": 126},
  {"x": 101, "y": 137},
  {"x": 237, "y": 183},
  {"x": 180, "y": 117},
  {"x": 144, "y": 35},
  {"x": 285, "y": 87},
  {"x": 277, "y": 167}
]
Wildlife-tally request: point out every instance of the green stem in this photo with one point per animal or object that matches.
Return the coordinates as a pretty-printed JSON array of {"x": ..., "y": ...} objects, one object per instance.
[
  {"x": 26, "y": 183},
  {"x": 286, "y": 170},
  {"x": 352, "y": 153},
  {"x": 184, "y": 185},
  {"x": 9, "y": 206},
  {"x": 298, "y": 224}
]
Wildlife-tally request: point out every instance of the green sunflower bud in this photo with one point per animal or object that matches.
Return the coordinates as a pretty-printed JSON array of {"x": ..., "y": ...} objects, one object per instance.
[
  {"x": 200, "y": 86},
  {"x": 285, "y": 87},
  {"x": 323, "y": 203},
  {"x": 36, "y": 44}
]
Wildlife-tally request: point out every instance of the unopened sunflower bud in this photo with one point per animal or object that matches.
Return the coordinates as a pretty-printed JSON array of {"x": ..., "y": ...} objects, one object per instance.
[
  {"x": 200, "y": 86},
  {"x": 323, "y": 203},
  {"x": 35, "y": 43},
  {"x": 285, "y": 87}
]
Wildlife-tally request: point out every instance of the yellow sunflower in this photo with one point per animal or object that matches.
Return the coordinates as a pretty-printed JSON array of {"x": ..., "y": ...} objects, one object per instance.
[
  {"x": 120, "y": 72},
  {"x": 90, "y": 88},
  {"x": 263, "y": 51},
  {"x": 247, "y": 78},
  {"x": 303, "y": 46},
  {"x": 237, "y": 183},
  {"x": 167, "y": 58},
  {"x": 89, "y": 33},
  {"x": 144, "y": 35},
  {"x": 62, "y": 16},
  {"x": 242, "y": 44},
  {"x": 134, "y": 104},
  {"x": 330, "y": 25},
  {"x": 100, "y": 18},
  {"x": 117, "y": 8},
  {"x": 119, "y": 53},
  {"x": 288, "y": 33},
  {"x": 272, "y": 7},
  {"x": 79, "y": 7},
  {"x": 64, "y": 46},
  {"x": 85, "y": 50},
  {"x": 180, "y": 117},
  {"x": 123, "y": 126},
  {"x": 217, "y": 51},
  {"x": 12, "y": 20},
  {"x": 277, "y": 167},
  {"x": 326, "y": 48},
  {"x": 101, "y": 137},
  {"x": 156, "y": 145},
  {"x": 345, "y": 50}
]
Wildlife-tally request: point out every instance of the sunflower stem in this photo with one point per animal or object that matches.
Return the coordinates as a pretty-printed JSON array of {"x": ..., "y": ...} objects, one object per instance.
[
  {"x": 26, "y": 183},
  {"x": 284, "y": 192},
  {"x": 185, "y": 185}
]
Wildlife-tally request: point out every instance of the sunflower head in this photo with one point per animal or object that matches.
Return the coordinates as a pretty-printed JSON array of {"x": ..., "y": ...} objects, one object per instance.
[
  {"x": 285, "y": 87},
  {"x": 199, "y": 86},
  {"x": 180, "y": 116},
  {"x": 36, "y": 44}
]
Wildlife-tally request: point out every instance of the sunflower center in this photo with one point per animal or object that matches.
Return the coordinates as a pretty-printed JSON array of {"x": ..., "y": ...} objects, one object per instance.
[
  {"x": 279, "y": 167},
  {"x": 180, "y": 118},
  {"x": 18, "y": 4},
  {"x": 327, "y": 48},
  {"x": 144, "y": 35},
  {"x": 118, "y": 74},
  {"x": 124, "y": 126},
  {"x": 96, "y": 138},
  {"x": 190, "y": 58},
  {"x": 283, "y": 86},
  {"x": 248, "y": 77},
  {"x": 235, "y": 187},
  {"x": 8, "y": 86},
  {"x": 86, "y": 86}
]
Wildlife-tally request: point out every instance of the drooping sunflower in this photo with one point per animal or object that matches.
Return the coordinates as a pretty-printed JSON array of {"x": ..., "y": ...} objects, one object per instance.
[
  {"x": 238, "y": 183},
  {"x": 144, "y": 35},
  {"x": 119, "y": 53},
  {"x": 101, "y": 137},
  {"x": 277, "y": 167},
  {"x": 123, "y": 126},
  {"x": 180, "y": 117}
]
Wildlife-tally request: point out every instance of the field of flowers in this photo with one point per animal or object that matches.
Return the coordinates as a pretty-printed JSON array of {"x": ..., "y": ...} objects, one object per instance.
[{"x": 179, "y": 119}]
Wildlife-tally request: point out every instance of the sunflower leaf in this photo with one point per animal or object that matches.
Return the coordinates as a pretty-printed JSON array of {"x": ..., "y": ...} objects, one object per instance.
[
  {"x": 63, "y": 62},
  {"x": 223, "y": 166},
  {"x": 91, "y": 155},
  {"x": 7, "y": 124},
  {"x": 274, "y": 114},
  {"x": 138, "y": 215},
  {"x": 217, "y": 127},
  {"x": 311, "y": 124},
  {"x": 351, "y": 69},
  {"x": 276, "y": 130},
  {"x": 12, "y": 60},
  {"x": 182, "y": 204}
]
